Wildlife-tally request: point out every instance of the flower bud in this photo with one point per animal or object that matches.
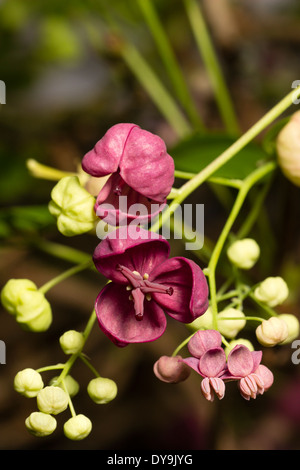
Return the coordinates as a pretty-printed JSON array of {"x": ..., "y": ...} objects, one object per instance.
[
  {"x": 40, "y": 424},
  {"x": 71, "y": 342},
  {"x": 235, "y": 342},
  {"x": 171, "y": 369},
  {"x": 288, "y": 149},
  {"x": 72, "y": 206},
  {"x": 272, "y": 291},
  {"x": 293, "y": 327},
  {"x": 28, "y": 382},
  {"x": 21, "y": 298},
  {"x": 244, "y": 253},
  {"x": 230, "y": 322},
  {"x": 78, "y": 427},
  {"x": 271, "y": 332},
  {"x": 102, "y": 390},
  {"x": 52, "y": 400},
  {"x": 71, "y": 385},
  {"x": 205, "y": 321}
]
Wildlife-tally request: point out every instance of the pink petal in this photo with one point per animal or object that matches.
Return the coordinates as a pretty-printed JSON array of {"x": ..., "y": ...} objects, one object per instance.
[
  {"x": 171, "y": 369},
  {"x": 212, "y": 363},
  {"x": 203, "y": 340},
  {"x": 190, "y": 290},
  {"x": 240, "y": 361},
  {"x": 141, "y": 254},
  {"x": 116, "y": 317},
  {"x": 192, "y": 362},
  {"x": 266, "y": 376}
]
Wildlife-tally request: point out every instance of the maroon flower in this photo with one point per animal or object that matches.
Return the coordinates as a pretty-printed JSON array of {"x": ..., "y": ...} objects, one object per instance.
[
  {"x": 139, "y": 168},
  {"x": 171, "y": 369},
  {"x": 146, "y": 285}
]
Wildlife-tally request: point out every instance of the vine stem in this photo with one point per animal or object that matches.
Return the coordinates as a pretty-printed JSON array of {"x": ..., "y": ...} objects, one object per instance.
[{"x": 61, "y": 277}]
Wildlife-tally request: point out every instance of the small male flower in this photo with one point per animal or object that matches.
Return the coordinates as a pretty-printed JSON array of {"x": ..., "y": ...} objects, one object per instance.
[
  {"x": 171, "y": 369},
  {"x": 52, "y": 400},
  {"x": 230, "y": 322},
  {"x": 272, "y": 331},
  {"x": 71, "y": 341},
  {"x": 293, "y": 325},
  {"x": 288, "y": 149},
  {"x": 40, "y": 424},
  {"x": 244, "y": 253},
  {"x": 28, "y": 382},
  {"x": 145, "y": 285},
  {"x": 102, "y": 390},
  {"x": 139, "y": 167},
  {"x": 78, "y": 427},
  {"x": 272, "y": 291}
]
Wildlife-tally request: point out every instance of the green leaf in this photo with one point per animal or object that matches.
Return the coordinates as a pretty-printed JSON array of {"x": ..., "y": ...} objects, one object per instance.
[{"x": 196, "y": 152}]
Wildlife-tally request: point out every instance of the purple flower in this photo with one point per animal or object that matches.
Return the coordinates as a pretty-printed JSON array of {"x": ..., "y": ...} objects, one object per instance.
[
  {"x": 146, "y": 285},
  {"x": 140, "y": 169}
]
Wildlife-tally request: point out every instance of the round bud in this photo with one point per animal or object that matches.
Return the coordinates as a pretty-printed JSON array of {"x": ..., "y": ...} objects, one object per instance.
[
  {"x": 72, "y": 206},
  {"x": 235, "y": 342},
  {"x": 52, "y": 400},
  {"x": 102, "y": 390},
  {"x": 230, "y": 322},
  {"x": 71, "y": 385},
  {"x": 244, "y": 253},
  {"x": 271, "y": 332},
  {"x": 171, "y": 369},
  {"x": 40, "y": 424},
  {"x": 205, "y": 321},
  {"x": 28, "y": 382},
  {"x": 288, "y": 149},
  {"x": 272, "y": 291},
  {"x": 78, "y": 427},
  {"x": 72, "y": 342},
  {"x": 11, "y": 291},
  {"x": 293, "y": 327}
]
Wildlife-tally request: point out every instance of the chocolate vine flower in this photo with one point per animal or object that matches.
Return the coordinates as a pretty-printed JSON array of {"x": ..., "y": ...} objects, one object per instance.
[
  {"x": 146, "y": 285},
  {"x": 140, "y": 169}
]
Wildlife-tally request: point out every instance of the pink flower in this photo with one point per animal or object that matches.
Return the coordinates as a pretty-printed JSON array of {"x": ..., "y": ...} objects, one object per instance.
[
  {"x": 146, "y": 285},
  {"x": 140, "y": 169},
  {"x": 171, "y": 369}
]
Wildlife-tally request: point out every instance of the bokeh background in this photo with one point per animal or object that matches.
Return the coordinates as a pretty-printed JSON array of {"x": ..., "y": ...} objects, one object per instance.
[{"x": 67, "y": 81}]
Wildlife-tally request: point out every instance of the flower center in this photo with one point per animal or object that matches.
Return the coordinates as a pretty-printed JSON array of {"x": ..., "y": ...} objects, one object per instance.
[
  {"x": 140, "y": 288},
  {"x": 118, "y": 186}
]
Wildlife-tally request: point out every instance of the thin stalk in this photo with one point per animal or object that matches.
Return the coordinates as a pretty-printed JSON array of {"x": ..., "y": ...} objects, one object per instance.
[{"x": 65, "y": 275}]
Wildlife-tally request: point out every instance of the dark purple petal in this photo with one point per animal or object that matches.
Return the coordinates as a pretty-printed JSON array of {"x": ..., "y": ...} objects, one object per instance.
[
  {"x": 141, "y": 254},
  {"x": 105, "y": 157},
  {"x": 116, "y": 317},
  {"x": 190, "y": 290},
  {"x": 203, "y": 340},
  {"x": 241, "y": 361},
  {"x": 146, "y": 165},
  {"x": 212, "y": 363}
]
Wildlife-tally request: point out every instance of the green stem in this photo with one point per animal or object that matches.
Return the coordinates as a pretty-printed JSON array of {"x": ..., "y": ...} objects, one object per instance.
[
  {"x": 182, "y": 345},
  {"x": 60, "y": 251},
  {"x": 211, "y": 62},
  {"x": 61, "y": 277},
  {"x": 89, "y": 365}
]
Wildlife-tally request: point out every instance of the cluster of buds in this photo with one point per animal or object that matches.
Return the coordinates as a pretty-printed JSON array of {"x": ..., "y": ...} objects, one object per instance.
[
  {"x": 244, "y": 253},
  {"x": 22, "y": 299}
]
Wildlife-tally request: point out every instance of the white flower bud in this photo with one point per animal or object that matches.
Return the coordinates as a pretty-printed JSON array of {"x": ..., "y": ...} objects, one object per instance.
[
  {"x": 78, "y": 427},
  {"x": 293, "y": 327},
  {"x": 288, "y": 149},
  {"x": 71, "y": 342},
  {"x": 271, "y": 332},
  {"x": 52, "y": 400},
  {"x": 70, "y": 383},
  {"x": 73, "y": 207},
  {"x": 230, "y": 322},
  {"x": 40, "y": 424},
  {"x": 272, "y": 291},
  {"x": 244, "y": 253},
  {"x": 205, "y": 321},
  {"x": 102, "y": 390},
  {"x": 11, "y": 291},
  {"x": 235, "y": 342},
  {"x": 28, "y": 382}
]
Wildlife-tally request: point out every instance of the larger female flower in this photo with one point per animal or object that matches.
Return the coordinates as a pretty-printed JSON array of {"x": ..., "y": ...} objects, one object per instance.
[
  {"x": 140, "y": 169},
  {"x": 146, "y": 285}
]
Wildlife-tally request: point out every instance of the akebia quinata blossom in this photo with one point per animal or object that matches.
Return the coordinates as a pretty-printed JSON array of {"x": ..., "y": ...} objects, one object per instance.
[
  {"x": 139, "y": 168},
  {"x": 145, "y": 286}
]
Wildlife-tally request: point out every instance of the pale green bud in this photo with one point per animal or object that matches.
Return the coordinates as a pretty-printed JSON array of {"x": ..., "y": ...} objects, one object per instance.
[
  {"x": 102, "y": 390},
  {"x": 288, "y": 149},
  {"x": 272, "y": 291},
  {"x": 30, "y": 307},
  {"x": 52, "y": 400},
  {"x": 271, "y": 332},
  {"x": 230, "y": 322},
  {"x": 205, "y": 321},
  {"x": 40, "y": 424},
  {"x": 244, "y": 253},
  {"x": 28, "y": 382},
  {"x": 78, "y": 427},
  {"x": 293, "y": 327},
  {"x": 71, "y": 342},
  {"x": 235, "y": 342},
  {"x": 70, "y": 383},
  {"x": 72, "y": 206}
]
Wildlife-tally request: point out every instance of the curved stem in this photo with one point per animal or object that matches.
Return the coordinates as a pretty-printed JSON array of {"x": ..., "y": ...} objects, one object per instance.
[{"x": 61, "y": 277}]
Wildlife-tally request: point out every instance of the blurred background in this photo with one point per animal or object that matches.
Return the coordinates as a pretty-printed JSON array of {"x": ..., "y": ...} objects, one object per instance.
[{"x": 72, "y": 69}]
